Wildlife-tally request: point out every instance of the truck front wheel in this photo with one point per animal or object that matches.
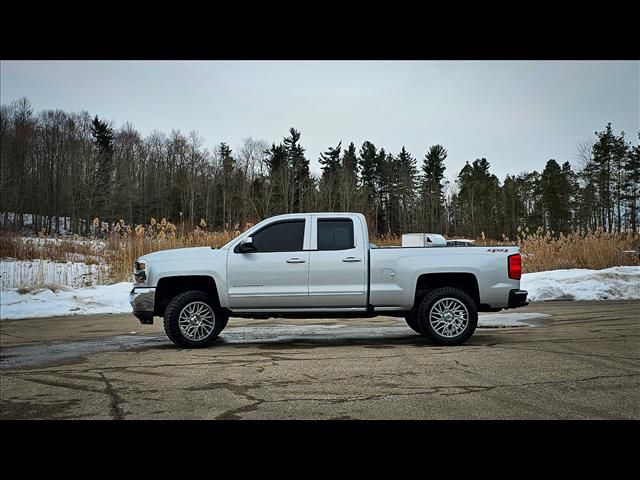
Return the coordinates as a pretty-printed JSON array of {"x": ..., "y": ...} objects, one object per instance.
[
  {"x": 448, "y": 316},
  {"x": 192, "y": 319}
]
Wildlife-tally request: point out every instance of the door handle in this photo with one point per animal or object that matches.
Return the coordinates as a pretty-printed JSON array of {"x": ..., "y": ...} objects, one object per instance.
[
  {"x": 296, "y": 260},
  {"x": 351, "y": 259}
]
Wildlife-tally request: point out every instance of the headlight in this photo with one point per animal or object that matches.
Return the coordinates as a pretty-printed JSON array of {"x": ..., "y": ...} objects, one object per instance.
[{"x": 140, "y": 273}]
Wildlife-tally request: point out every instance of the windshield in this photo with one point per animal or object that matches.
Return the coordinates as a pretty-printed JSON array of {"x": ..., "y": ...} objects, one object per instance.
[{"x": 252, "y": 229}]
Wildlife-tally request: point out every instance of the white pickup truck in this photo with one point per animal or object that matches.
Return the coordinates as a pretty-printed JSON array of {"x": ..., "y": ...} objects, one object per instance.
[{"x": 313, "y": 265}]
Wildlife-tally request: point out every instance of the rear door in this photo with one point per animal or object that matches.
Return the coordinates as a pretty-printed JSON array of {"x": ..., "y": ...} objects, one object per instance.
[
  {"x": 337, "y": 264},
  {"x": 276, "y": 275}
]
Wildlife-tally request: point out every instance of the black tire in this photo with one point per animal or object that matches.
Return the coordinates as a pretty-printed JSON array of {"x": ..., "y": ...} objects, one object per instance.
[
  {"x": 424, "y": 312},
  {"x": 413, "y": 322},
  {"x": 172, "y": 315}
]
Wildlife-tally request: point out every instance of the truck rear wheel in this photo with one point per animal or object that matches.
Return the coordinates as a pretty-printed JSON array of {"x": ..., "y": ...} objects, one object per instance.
[
  {"x": 413, "y": 321},
  {"x": 192, "y": 319},
  {"x": 448, "y": 316}
]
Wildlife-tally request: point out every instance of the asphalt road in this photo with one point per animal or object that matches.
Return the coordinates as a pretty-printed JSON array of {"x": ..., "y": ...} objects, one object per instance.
[{"x": 582, "y": 362}]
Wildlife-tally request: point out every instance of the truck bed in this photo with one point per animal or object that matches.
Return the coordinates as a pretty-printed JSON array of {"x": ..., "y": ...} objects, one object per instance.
[{"x": 395, "y": 270}]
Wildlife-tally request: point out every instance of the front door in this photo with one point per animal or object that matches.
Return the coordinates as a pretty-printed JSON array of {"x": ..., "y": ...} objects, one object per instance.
[{"x": 276, "y": 274}]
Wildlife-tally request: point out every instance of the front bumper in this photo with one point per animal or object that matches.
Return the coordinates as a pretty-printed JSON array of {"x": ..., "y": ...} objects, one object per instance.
[
  {"x": 518, "y": 298},
  {"x": 142, "y": 301}
]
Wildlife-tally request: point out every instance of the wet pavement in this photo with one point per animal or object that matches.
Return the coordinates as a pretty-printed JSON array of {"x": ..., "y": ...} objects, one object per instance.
[{"x": 558, "y": 360}]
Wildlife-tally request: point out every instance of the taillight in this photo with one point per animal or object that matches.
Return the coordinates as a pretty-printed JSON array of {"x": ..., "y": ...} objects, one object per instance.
[{"x": 515, "y": 266}]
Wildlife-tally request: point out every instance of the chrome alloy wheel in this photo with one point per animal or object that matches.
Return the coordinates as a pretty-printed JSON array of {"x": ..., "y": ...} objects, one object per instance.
[
  {"x": 196, "y": 321},
  {"x": 448, "y": 317}
]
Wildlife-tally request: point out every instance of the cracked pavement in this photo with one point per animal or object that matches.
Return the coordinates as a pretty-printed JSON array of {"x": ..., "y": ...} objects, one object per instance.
[{"x": 583, "y": 362}]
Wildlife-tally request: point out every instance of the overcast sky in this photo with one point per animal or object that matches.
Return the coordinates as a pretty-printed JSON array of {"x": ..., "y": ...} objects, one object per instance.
[{"x": 517, "y": 114}]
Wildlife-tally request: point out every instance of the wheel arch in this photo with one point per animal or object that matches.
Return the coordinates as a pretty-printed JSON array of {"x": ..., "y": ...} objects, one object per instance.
[
  {"x": 169, "y": 287},
  {"x": 465, "y": 281}
]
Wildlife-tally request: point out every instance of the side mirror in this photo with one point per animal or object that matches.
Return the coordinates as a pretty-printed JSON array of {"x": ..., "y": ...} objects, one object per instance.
[{"x": 246, "y": 245}]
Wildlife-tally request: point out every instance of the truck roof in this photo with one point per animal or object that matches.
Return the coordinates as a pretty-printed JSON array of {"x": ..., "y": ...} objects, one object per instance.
[{"x": 327, "y": 214}]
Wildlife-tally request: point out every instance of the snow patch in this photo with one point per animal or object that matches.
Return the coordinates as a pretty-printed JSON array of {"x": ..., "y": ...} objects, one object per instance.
[
  {"x": 493, "y": 320},
  {"x": 617, "y": 283},
  {"x": 43, "y": 302}
]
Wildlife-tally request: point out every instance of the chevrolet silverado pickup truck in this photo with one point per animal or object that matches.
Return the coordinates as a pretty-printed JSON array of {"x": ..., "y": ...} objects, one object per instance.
[{"x": 311, "y": 265}]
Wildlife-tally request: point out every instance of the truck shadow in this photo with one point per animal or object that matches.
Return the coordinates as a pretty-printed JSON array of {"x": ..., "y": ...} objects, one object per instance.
[
  {"x": 367, "y": 337},
  {"x": 254, "y": 338}
]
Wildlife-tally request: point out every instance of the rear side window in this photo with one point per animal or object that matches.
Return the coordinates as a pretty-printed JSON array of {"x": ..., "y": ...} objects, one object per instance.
[
  {"x": 280, "y": 237},
  {"x": 335, "y": 234}
]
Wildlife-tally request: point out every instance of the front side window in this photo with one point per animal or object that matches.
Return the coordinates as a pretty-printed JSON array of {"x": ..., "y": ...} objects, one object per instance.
[
  {"x": 280, "y": 237},
  {"x": 335, "y": 234}
]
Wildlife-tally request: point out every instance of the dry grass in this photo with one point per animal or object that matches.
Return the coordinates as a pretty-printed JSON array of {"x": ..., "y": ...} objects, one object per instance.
[
  {"x": 60, "y": 250},
  {"x": 387, "y": 240},
  {"x": 593, "y": 250},
  {"x": 118, "y": 248},
  {"x": 546, "y": 251},
  {"x": 123, "y": 251}
]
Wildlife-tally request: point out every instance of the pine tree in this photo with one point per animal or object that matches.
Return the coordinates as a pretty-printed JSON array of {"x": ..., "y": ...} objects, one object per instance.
[
  {"x": 569, "y": 192},
  {"x": 587, "y": 197},
  {"x": 384, "y": 182},
  {"x": 368, "y": 165},
  {"x": 300, "y": 177},
  {"x": 330, "y": 160},
  {"x": 407, "y": 171},
  {"x": 431, "y": 189},
  {"x": 330, "y": 181},
  {"x": 103, "y": 138},
  {"x": 479, "y": 205},
  {"x": 228, "y": 165},
  {"x": 514, "y": 213},
  {"x": 349, "y": 179},
  {"x": 609, "y": 153},
  {"x": 279, "y": 173},
  {"x": 388, "y": 201},
  {"x": 367, "y": 162},
  {"x": 554, "y": 198}
]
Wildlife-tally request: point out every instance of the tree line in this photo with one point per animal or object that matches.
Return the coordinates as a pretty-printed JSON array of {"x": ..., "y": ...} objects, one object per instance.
[{"x": 57, "y": 165}]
